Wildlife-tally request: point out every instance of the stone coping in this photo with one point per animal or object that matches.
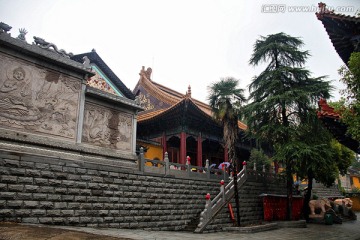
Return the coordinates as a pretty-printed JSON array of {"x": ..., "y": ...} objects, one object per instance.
[
  {"x": 48, "y": 55},
  {"x": 112, "y": 98},
  {"x": 12, "y": 140},
  {"x": 277, "y": 195},
  {"x": 253, "y": 229},
  {"x": 267, "y": 226}
]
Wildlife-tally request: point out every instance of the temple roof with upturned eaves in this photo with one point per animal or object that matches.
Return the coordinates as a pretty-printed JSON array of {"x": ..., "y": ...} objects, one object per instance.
[
  {"x": 332, "y": 121},
  {"x": 343, "y": 31},
  {"x": 158, "y": 100},
  {"x": 184, "y": 113}
]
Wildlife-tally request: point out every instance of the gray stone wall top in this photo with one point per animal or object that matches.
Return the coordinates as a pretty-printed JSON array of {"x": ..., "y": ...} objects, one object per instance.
[
  {"x": 24, "y": 143},
  {"x": 122, "y": 101},
  {"x": 47, "y": 55}
]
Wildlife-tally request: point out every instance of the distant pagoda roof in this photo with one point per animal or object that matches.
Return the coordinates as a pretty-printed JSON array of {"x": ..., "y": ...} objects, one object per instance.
[
  {"x": 162, "y": 100},
  {"x": 343, "y": 31},
  {"x": 96, "y": 59},
  {"x": 184, "y": 113}
]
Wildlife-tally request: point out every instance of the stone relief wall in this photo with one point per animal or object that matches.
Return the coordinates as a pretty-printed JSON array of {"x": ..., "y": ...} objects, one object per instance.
[
  {"x": 38, "y": 100},
  {"x": 107, "y": 128}
]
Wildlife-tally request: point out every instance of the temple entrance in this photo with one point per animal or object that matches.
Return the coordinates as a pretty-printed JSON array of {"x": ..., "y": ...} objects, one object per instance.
[
  {"x": 191, "y": 150},
  {"x": 173, "y": 149},
  {"x": 213, "y": 151}
]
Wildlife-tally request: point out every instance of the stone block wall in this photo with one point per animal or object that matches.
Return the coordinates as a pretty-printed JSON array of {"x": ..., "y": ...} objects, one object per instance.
[
  {"x": 251, "y": 205},
  {"x": 57, "y": 191},
  {"x": 251, "y": 209},
  {"x": 45, "y": 190}
]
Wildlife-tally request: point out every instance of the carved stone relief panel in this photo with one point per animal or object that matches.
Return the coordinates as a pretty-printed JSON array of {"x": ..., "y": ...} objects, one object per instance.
[
  {"x": 38, "y": 100},
  {"x": 107, "y": 127}
]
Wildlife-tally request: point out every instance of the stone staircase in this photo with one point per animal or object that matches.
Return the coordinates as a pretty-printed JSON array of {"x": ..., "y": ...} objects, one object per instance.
[
  {"x": 214, "y": 207},
  {"x": 192, "y": 225}
]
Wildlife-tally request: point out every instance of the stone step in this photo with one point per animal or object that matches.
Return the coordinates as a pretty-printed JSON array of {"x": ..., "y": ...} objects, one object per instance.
[{"x": 253, "y": 229}]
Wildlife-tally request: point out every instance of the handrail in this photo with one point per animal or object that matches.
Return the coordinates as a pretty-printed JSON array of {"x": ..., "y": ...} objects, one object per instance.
[
  {"x": 213, "y": 207},
  {"x": 180, "y": 170}
]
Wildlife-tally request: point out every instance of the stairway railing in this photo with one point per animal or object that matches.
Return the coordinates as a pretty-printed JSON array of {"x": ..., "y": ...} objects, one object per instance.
[{"x": 213, "y": 207}]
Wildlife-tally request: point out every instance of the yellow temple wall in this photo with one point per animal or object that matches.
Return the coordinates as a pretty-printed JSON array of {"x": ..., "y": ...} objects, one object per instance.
[
  {"x": 356, "y": 182},
  {"x": 356, "y": 203},
  {"x": 153, "y": 152}
]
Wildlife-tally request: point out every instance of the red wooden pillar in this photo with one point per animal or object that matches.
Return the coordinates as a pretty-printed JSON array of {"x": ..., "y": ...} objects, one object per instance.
[
  {"x": 199, "y": 151},
  {"x": 182, "y": 148},
  {"x": 164, "y": 145},
  {"x": 226, "y": 154}
]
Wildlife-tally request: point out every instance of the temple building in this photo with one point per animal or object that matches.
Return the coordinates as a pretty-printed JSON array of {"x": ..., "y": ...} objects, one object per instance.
[
  {"x": 344, "y": 33},
  {"x": 106, "y": 87},
  {"x": 181, "y": 125},
  {"x": 332, "y": 122}
]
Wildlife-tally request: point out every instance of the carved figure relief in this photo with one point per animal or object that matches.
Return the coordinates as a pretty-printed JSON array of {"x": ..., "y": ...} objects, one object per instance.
[
  {"x": 107, "y": 128},
  {"x": 37, "y": 99},
  {"x": 98, "y": 82},
  {"x": 145, "y": 102}
]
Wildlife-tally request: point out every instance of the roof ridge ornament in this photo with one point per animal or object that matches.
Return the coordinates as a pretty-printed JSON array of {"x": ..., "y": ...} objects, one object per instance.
[
  {"x": 4, "y": 28},
  {"x": 22, "y": 34},
  {"x": 188, "y": 93},
  {"x": 47, "y": 45},
  {"x": 322, "y": 10},
  {"x": 86, "y": 62},
  {"x": 146, "y": 73}
]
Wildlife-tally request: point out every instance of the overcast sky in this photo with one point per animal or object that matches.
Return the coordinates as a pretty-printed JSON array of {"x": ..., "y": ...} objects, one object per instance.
[{"x": 185, "y": 42}]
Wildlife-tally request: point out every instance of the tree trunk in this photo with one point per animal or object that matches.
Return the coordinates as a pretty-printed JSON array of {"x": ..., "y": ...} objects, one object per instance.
[
  {"x": 236, "y": 193},
  {"x": 308, "y": 195},
  {"x": 289, "y": 186}
]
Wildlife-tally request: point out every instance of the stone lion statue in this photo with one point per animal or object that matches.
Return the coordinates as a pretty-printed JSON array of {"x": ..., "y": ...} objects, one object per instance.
[
  {"x": 347, "y": 202},
  {"x": 322, "y": 204}
]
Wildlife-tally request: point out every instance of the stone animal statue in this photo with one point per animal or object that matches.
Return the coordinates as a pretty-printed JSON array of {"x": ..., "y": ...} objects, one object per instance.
[
  {"x": 322, "y": 204},
  {"x": 4, "y": 27},
  {"x": 41, "y": 42},
  {"x": 347, "y": 202},
  {"x": 86, "y": 62},
  {"x": 46, "y": 45}
]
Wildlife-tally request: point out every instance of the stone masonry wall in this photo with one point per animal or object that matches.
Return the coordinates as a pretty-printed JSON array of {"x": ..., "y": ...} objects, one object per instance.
[
  {"x": 252, "y": 210},
  {"x": 251, "y": 205},
  {"x": 35, "y": 189}
]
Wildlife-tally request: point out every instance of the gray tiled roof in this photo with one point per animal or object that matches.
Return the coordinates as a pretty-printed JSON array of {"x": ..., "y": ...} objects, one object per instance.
[{"x": 95, "y": 58}]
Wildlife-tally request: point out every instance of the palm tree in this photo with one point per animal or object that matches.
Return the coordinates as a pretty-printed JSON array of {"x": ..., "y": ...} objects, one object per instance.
[
  {"x": 226, "y": 101},
  {"x": 282, "y": 94}
]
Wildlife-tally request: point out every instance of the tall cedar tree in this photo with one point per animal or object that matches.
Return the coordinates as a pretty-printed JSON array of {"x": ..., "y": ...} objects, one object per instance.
[{"x": 281, "y": 95}]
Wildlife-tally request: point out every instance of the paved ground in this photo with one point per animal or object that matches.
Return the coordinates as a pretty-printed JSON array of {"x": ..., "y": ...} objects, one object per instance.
[
  {"x": 13, "y": 231},
  {"x": 347, "y": 230}
]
